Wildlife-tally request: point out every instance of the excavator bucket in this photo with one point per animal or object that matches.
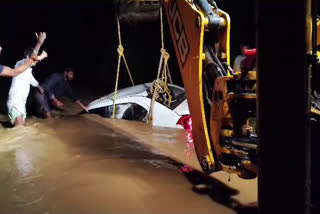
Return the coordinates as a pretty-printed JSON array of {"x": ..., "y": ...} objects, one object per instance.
[{"x": 137, "y": 11}]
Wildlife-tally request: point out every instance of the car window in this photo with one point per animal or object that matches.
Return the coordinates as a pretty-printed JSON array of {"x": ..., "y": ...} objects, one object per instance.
[
  {"x": 102, "y": 111},
  {"x": 178, "y": 96},
  {"x": 121, "y": 110},
  {"x": 107, "y": 111},
  {"x": 135, "y": 112},
  {"x": 175, "y": 91},
  {"x": 126, "y": 111}
]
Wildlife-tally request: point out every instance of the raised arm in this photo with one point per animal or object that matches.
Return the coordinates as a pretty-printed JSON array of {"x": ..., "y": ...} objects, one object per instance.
[
  {"x": 12, "y": 72},
  {"x": 40, "y": 40}
]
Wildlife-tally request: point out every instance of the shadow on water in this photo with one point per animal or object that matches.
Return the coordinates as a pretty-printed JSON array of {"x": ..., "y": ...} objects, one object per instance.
[
  {"x": 6, "y": 124},
  {"x": 122, "y": 147},
  {"x": 218, "y": 191}
]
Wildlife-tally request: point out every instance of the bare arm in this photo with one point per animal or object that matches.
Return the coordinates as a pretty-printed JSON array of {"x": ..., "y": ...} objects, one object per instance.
[
  {"x": 12, "y": 72},
  {"x": 40, "y": 40},
  {"x": 81, "y": 105},
  {"x": 41, "y": 90},
  {"x": 57, "y": 103}
]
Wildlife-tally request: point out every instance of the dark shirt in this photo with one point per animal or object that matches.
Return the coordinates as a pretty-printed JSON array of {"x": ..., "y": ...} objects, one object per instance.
[
  {"x": 1, "y": 68},
  {"x": 58, "y": 86}
]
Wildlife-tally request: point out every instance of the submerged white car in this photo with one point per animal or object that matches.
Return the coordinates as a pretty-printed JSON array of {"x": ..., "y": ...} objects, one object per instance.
[{"x": 133, "y": 103}]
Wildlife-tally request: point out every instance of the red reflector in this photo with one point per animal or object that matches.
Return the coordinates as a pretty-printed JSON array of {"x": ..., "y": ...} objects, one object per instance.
[
  {"x": 186, "y": 122},
  {"x": 250, "y": 52}
]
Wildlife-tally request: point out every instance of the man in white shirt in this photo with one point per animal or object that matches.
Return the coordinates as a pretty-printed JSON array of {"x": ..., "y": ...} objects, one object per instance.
[
  {"x": 20, "y": 87},
  {"x": 239, "y": 59}
]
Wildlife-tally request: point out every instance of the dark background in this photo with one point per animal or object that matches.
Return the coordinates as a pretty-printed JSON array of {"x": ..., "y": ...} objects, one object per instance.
[{"x": 83, "y": 35}]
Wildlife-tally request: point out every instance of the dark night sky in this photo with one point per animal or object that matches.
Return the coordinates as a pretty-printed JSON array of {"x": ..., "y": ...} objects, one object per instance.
[{"x": 84, "y": 36}]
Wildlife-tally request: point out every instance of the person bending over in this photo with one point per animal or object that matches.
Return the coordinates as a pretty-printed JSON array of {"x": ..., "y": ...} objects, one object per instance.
[{"x": 56, "y": 85}]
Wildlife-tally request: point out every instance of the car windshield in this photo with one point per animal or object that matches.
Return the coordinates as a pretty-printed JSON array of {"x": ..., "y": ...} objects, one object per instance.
[
  {"x": 178, "y": 96},
  {"x": 176, "y": 91}
]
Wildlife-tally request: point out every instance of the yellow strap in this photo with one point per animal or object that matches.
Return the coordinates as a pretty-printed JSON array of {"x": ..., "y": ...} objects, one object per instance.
[
  {"x": 161, "y": 25},
  {"x": 162, "y": 45},
  {"x": 159, "y": 86},
  {"x": 121, "y": 56},
  {"x": 125, "y": 62},
  {"x": 116, "y": 87},
  {"x": 119, "y": 32},
  {"x": 154, "y": 97}
]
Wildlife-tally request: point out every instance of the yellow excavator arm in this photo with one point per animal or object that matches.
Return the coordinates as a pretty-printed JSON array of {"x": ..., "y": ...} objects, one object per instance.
[{"x": 221, "y": 103}]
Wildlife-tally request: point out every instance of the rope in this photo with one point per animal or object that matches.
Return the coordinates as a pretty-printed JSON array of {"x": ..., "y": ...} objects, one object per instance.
[
  {"x": 159, "y": 88},
  {"x": 162, "y": 43},
  {"x": 161, "y": 25},
  {"x": 160, "y": 91},
  {"x": 121, "y": 55}
]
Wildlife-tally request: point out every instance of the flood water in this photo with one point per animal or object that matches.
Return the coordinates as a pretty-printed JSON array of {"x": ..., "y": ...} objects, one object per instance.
[{"x": 88, "y": 165}]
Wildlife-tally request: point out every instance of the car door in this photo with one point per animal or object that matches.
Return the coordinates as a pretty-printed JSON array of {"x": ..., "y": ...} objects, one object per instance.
[{"x": 163, "y": 116}]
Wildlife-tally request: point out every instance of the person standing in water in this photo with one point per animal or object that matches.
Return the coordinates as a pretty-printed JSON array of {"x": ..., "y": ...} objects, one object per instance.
[{"x": 20, "y": 85}]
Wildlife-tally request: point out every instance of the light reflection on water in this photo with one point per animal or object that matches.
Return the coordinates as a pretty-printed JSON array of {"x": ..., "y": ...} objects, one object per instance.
[
  {"x": 23, "y": 163},
  {"x": 189, "y": 151}
]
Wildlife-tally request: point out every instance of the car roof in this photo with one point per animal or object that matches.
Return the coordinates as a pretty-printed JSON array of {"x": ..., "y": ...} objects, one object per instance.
[
  {"x": 138, "y": 89},
  {"x": 178, "y": 94},
  {"x": 130, "y": 90}
]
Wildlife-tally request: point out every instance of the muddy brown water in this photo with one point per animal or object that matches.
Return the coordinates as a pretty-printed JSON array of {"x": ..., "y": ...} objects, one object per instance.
[{"x": 90, "y": 165}]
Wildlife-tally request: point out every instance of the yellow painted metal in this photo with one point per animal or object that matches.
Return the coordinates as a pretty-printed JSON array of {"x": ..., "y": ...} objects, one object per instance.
[
  {"x": 249, "y": 165},
  {"x": 318, "y": 31},
  {"x": 315, "y": 111},
  {"x": 225, "y": 34},
  {"x": 251, "y": 75},
  {"x": 205, "y": 21},
  {"x": 203, "y": 56},
  {"x": 231, "y": 96},
  {"x": 188, "y": 42},
  {"x": 309, "y": 27},
  {"x": 226, "y": 133},
  {"x": 187, "y": 24},
  {"x": 219, "y": 111}
]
